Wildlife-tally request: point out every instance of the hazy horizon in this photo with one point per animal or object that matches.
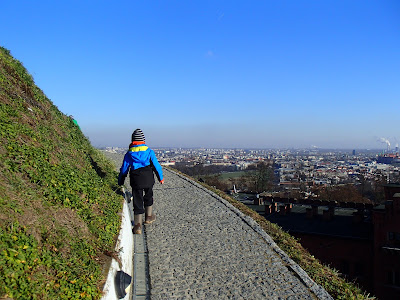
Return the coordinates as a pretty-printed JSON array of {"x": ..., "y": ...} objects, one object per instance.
[
  {"x": 256, "y": 149},
  {"x": 198, "y": 138}
]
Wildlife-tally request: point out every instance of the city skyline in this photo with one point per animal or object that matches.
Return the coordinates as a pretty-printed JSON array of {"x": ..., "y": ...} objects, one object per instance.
[{"x": 263, "y": 74}]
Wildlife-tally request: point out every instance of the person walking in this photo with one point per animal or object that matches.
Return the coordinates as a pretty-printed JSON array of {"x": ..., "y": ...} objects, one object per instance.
[{"x": 141, "y": 162}]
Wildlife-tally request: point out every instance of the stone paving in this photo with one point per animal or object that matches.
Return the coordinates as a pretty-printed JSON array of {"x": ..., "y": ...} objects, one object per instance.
[{"x": 200, "y": 247}]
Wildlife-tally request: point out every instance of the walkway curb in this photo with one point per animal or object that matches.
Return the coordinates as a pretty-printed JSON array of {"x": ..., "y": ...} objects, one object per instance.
[
  {"x": 318, "y": 290},
  {"x": 124, "y": 248}
]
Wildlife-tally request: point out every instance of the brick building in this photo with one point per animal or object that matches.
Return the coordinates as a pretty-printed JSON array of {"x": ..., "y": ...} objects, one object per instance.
[
  {"x": 386, "y": 220},
  {"x": 359, "y": 240}
]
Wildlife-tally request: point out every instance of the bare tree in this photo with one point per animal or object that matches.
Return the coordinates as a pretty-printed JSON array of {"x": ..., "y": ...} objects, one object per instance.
[{"x": 263, "y": 177}]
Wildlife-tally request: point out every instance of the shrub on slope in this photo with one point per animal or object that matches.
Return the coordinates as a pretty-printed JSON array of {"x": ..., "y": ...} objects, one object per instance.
[{"x": 58, "y": 205}]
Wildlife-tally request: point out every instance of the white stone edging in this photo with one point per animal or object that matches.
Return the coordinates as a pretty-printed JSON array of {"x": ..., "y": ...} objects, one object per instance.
[{"x": 124, "y": 248}]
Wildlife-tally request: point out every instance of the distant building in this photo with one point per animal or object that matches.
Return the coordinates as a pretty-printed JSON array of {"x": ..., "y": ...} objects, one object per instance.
[
  {"x": 388, "y": 159},
  {"x": 167, "y": 163}
]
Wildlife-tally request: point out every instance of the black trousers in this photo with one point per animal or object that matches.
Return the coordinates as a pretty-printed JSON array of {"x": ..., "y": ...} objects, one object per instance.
[{"x": 141, "y": 199}]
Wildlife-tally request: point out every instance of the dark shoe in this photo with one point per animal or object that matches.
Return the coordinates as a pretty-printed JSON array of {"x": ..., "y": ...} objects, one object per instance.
[
  {"x": 137, "y": 229},
  {"x": 150, "y": 219}
]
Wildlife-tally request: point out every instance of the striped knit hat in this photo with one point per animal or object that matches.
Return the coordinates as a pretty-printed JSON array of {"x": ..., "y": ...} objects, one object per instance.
[{"x": 138, "y": 136}]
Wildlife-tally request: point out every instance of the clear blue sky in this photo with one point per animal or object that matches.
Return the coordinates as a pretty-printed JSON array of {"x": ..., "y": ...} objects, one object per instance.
[{"x": 249, "y": 74}]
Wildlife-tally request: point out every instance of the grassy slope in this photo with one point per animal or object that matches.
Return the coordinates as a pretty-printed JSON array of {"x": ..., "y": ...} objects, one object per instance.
[
  {"x": 58, "y": 208},
  {"x": 325, "y": 276}
]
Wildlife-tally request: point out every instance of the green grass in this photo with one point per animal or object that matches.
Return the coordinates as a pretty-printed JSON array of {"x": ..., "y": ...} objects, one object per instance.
[
  {"x": 59, "y": 209},
  {"x": 225, "y": 175},
  {"x": 229, "y": 175}
]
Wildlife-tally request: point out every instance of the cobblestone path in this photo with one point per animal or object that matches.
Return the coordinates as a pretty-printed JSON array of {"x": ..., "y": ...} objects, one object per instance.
[{"x": 200, "y": 248}]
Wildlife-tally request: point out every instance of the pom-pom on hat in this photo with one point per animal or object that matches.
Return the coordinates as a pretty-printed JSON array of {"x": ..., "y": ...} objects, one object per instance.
[{"x": 138, "y": 136}]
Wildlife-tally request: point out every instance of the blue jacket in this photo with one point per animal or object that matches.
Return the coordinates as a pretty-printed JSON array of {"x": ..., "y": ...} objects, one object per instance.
[{"x": 141, "y": 161}]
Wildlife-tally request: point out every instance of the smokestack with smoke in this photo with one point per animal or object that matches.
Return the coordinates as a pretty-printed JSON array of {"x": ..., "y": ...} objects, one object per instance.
[{"x": 384, "y": 140}]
